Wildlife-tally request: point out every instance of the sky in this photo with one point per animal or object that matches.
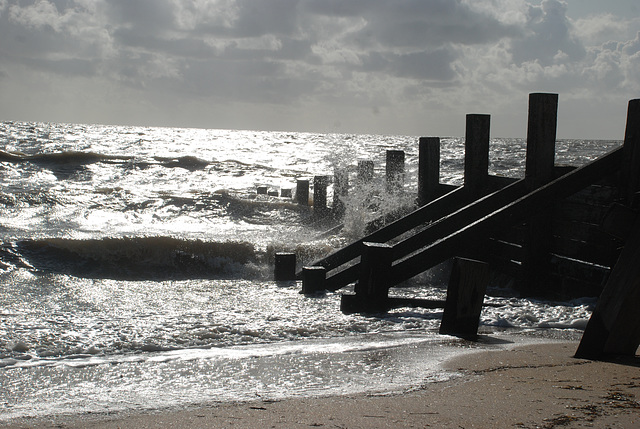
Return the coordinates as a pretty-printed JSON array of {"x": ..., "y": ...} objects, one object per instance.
[{"x": 408, "y": 67}]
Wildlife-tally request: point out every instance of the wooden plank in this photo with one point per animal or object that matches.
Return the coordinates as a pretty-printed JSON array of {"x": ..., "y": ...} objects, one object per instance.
[
  {"x": 580, "y": 212},
  {"x": 595, "y": 194},
  {"x": 568, "y": 287},
  {"x": 579, "y": 270},
  {"x": 619, "y": 220},
  {"x": 604, "y": 254},
  {"x": 465, "y": 295}
]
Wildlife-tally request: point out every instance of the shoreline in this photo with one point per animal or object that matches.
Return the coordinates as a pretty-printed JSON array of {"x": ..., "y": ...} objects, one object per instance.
[{"x": 527, "y": 386}]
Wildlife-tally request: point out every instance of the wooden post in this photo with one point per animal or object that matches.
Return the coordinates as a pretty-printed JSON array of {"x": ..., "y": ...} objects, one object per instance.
[
  {"x": 395, "y": 170},
  {"x": 428, "y": 169},
  {"x": 541, "y": 141},
  {"x": 285, "y": 193},
  {"x": 340, "y": 191},
  {"x": 465, "y": 295},
  {"x": 285, "y": 266},
  {"x": 375, "y": 267},
  {"x": 614, "y": 326},
  {"x": 631, "y": 165},
  {"x": 365, "y": 171},
  {"x": 320, "y": 184},
  {"x": 302, "y": 192},
  {"x": 262, "y": 190},
  {"x": 313, "y": 279},
  {"x": 476, "y": 152}
]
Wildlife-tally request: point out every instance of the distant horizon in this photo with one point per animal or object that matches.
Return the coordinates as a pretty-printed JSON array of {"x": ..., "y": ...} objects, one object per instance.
[{"x": 291, "y": 131}]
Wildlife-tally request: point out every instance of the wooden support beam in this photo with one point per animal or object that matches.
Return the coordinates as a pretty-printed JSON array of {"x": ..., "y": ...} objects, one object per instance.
[
  {"x": 614, "y": 326},
  {"x": 541, "y": 139},
  {"x": 428, "y": 169},
  {"x": 476, "y": 152},
  {"x": 631, "y": 167},
  {"x": 541, "y": 143}
]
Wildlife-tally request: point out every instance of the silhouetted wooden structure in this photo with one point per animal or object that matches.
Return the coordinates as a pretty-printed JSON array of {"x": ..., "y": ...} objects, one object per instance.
[
  {"x": 614, "y": 326},
  {"x": 543, "y": 230}
]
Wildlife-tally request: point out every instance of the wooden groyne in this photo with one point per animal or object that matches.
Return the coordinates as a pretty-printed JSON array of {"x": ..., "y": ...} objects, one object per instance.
[{"x": 547, "y": 230}]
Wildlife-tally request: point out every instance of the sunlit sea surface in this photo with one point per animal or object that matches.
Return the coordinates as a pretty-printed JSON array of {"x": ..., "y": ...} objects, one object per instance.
[{"x": 136, "y": 270}]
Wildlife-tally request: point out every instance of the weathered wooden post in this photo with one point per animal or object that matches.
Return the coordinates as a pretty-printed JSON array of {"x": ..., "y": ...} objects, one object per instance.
[
  {"x": 540, "y": 159},
  {"x": 302, "y": 192},
  {"x": 313, "y": 279},
  {"x": 372, "y": 289},
  {"x": 465, "y": 295},
  {"x": 395, "y": 171},
  {"x": 476, "y": 152},
  {"x": 631, "y": 165},
  {"x": 541, "y": 139},
  {"x": 428, "y": 169},
  {"x": 285, "y": 266},
  {"x": 320, "y": 184},
  {"x": 340, "y": 191},
  {"x": 614, "y": 326},
  {"x": 365, "y": 171}
]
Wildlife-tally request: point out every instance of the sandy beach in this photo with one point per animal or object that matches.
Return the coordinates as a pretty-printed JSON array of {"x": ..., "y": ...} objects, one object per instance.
[{"x": 533, "y": 386}]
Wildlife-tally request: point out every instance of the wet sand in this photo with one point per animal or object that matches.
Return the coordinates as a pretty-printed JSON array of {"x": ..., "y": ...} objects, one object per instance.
[{"x": 533, "y": 386}]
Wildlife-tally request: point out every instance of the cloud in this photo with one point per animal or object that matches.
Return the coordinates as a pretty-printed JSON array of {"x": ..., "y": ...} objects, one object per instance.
[
  {"x": 548, "y": 32},
  {"x": 422, "y": 58}
]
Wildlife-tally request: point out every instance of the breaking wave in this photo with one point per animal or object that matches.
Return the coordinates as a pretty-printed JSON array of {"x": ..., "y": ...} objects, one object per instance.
[{"x": 133, "y": 258}]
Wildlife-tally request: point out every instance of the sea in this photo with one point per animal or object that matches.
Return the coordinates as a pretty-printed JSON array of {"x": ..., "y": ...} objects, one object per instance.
[{"x": 136, "y": 270}]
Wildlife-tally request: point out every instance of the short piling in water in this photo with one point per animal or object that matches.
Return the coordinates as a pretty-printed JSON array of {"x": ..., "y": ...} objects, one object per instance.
[
  {"x": 465, "y": 295},
  {"x": 428, "y": 169},
  {"x": 340, "y": 191},
  {"x": 302, "y": 192},
  {"x": 365, "y": 171},
  {"x": 320, "y": 184},
  {"x": 313, "y": 279},
  {"x": 285, "y": 266},
  {"x": 395, "y": 171},
  {"x": 285, "y": 193}
]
